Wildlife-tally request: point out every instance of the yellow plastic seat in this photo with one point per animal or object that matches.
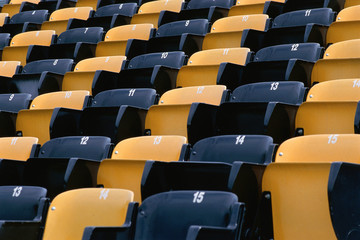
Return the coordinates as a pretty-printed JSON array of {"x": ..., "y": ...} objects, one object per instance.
[
  {"x": 320, "y": 148},
  {"x": 84, "y": 73},
  {"x": 245, "y": 7},
  {"x": 19, "y": 45},
  {"x": 211, "y": 94},
  {"x": 17, "y": 148},
  {"x": 149, "y": 12},
  {"x": 125, "y": 168},
  {"x": 87, "y": 3},
  {"x": 59, "y": 19},
  {"x": 227, "y": 32},
  {"x": 350, "y": 3},
  {"x": 335, "y": 90},
  {"x": 299, "y": 200},
  {"x": 326, "y": 117},
  {"x": 3, "y": 17},
  {"x": 340, "y": 62},
  {"x": 70, "y": 212},
  {"x": 15, "y": 6},
  {"x": 203, "y": 66},
  {"x": 346, "y": 25},
  {"x": 9, "y": 68},
  {"x": 117, "y": 37}
]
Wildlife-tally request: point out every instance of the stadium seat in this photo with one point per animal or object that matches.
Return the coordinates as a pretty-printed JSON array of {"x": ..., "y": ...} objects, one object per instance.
[
  {"x": 227, "y": 32},
  {"x": 336, "y": 90},
  {"x": 52, "y": 5},
  {"x": 94, "y": 74},
  {"x": 149, "y": 12},
  {"x": 211, "y": 94},
  {"x": 66, "y": 18},
  {"x": 70, "y": 212},
  {"x": 286, "y": 62},
  {"x": 324, "y": 200},
  {"x": 341, "y": 55},
  {"x": 119, "y": 39},
  {"x": 25, "y": 21},
  {"x": 293, "y": 5},
  {"x": 185, "y": 206},
  {"x": 16, "y": 6},
  {"x": 285, "y": 92},
  {"x": 153, "y": 70},
  {"x": 292, "y": 27},
  {"x": 273, "y": 119},
  {"x": 214, "y": 66},
  {"x": 350, "y": 3},
  {"x": 14, "y": 102},
  {"x": 38, "y": 77},
  {"x": 23, "y": 212},
  {"x": 4, "y": 40},
  {"x": 66, "y": 163},
  {"x": 9, "y": 68},
  {"x": 23, "y": 44},
  {"x": 125, "y": 168},
  {"x": 320, "y": 148},
  {"x": 255, "y": 7},
  {"x": 113, "y": 15},
  {"x": 327, "y": 117},
  {"x": 4, "y": 18}
]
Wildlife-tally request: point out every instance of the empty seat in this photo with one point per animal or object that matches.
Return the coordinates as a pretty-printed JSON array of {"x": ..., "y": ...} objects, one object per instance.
[
  {"x": 323, "y": 204},
  {"x": 214, "y": 66},
  {"x": 25, "y": 21},
  {"x": 23, "y": 211},
  {"x": 320, "y": 148},
  {"x": 254, "y": 7},
  {"x": 4, "y": 18},
  {"x": 184, "y": 206},
  {"x": 350, "y": 3},
  {"x": 64, "y": 19},
  {"x": 113, "y": 15},
  {"x": 117, "y": 40},
  {"x": 66, "y": 163},
  {"x": 125, "y": 168},
  {"x": 327, "y": 117},
  {"x": 227, "y": 32},
  {"x": 294, "y": 5},
  {"x": 149, "y": 12},
  {"x": 4, "y": 40},
  {"x": 94, "y": 74},
  {"x": 23, "y": 43},
  {"x": 14, "y": 102},
  {"x": 9, "y": 68},
  {"x": 285, "y": 92},
  {"x": 16, "y": 6},
  {"x": 336, "y": 90},
  {"x": 70, "y": 212},
  {"x": 39, "y": 77},
  {"x": 52, "y": 5},
  {"x": 153, "y": 70},
  {"x": 286, "y": 62},
  {"x": 214, "y": 95},
  {"x": 292, "y": 27}
]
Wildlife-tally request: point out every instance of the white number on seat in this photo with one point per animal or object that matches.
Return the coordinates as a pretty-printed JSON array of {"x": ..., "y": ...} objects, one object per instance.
[
  {"x": 200, "y": 90},
  {"x": 132, "y": 92},
  {"x": 198, "y": 197},
  {"x": 11, "y": 97},
  {"x": 245, "y": 18},
  {"x": 356, "y": 83},
  {"x": 240, "y": 140},
  {"x": 294, "y": 47},
  {"x": 333, "y": 139},
  {"x": 157, "y": 140},
  {"x": 307, "y": 13},
  {"x": 84, "y": 140},
  {"x": 164, "y": 55},
  {"x": 17, "y": 191},
  {"x": 187, "y": 23},
  {"x": 14, "y": 140},
  {"x": 274, "y": 86},
  {"x": 104, "y": 194}
]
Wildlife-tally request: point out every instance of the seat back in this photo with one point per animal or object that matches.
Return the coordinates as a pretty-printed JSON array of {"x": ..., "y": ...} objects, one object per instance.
[
  {"x": 349, "y": 14},
  {"x": 286, "y": 92},
  {"x": 320, "y": 148},
  {"x": 14, "y": 102},
  {"x": 72, "y": 12},
  {"x": 239, "y": 23},
  {"x": 195, "y": 26},
  {"x": 155, "y": 219},
  {"x": 36, "y": 16},
  {"x": 126, "y": 9},
  {"x": 17, "y": 148},
  {"x": 112, "y": 64},
  {"x": 211, "y": 94},
  {"x": 86, "y": 35},
  {"x": 196, "y": 4},
  {"x": 139, "y": 97},
  {"x": 304, "y": 51},
  {"x": 9, "y": 68},
  {"x": 87, "y": 147},
  {"x": 70, "y": 212},
  {"x": 44, "y": 38},
  {"x": 21, "y": 203},
  {"x": 231, "y": 148},
  {"x": 161, "y": 5},
  {"x": 344, "y": 49},
  {"x": 326, "y": 117},
  {"x": 4, "y": 40},
  {"x": 299, "y": 196},
  {"x": 67, "y": 99},
  {"x": 169, "y": 59},
  {"x": 159, "y": 148},
  {"x": 130, "y": 31},
  {"x": 336, "y": 90},
  {"x": 60, "y": 66},
  {"x": 322, "y": 16},
  {"x": 4, "y": 18},
  {"x": 216, "y": 56}
]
